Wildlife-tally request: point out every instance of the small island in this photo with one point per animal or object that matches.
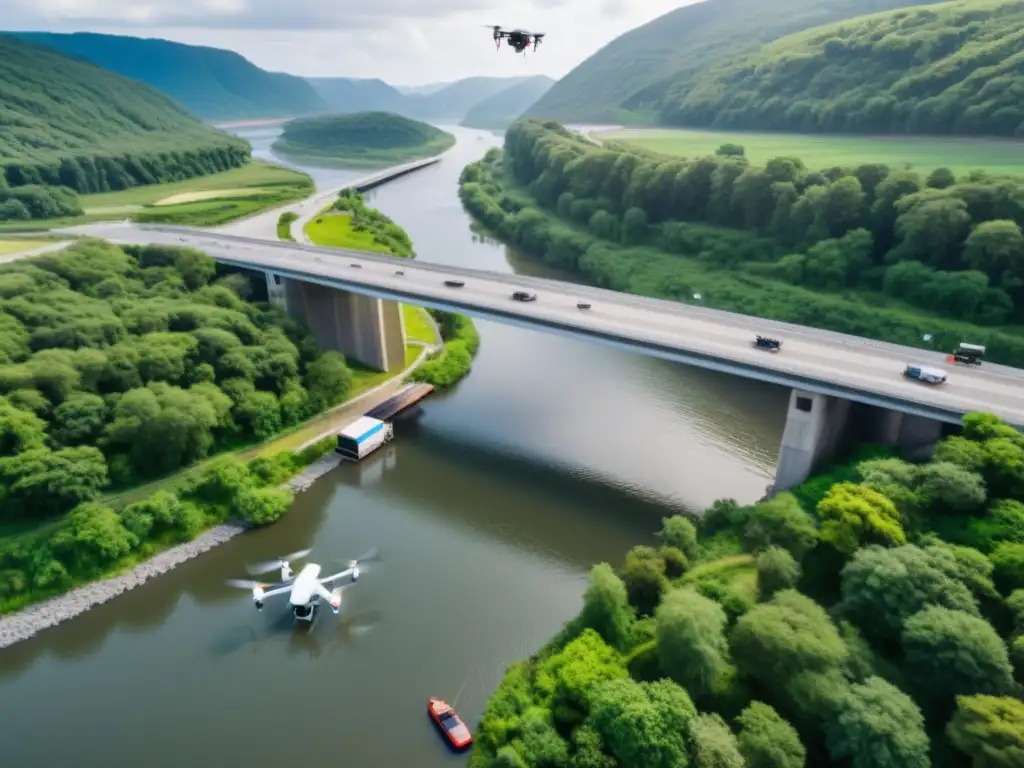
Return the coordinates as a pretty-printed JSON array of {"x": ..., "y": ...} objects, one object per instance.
[{"x": 362, "y": 139}]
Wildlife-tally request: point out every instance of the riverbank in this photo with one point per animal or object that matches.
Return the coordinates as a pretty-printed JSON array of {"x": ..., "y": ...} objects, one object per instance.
[{"x": 710, "y": 266}]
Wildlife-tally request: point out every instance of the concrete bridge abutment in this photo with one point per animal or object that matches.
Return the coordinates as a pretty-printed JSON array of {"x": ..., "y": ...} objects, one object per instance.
[
  {"x": 820, "y": 429},
  {"x": 363, "y": 328}
]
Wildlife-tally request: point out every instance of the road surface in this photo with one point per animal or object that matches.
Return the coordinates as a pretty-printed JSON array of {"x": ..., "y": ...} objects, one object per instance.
[{"x": 816, "y": 360}]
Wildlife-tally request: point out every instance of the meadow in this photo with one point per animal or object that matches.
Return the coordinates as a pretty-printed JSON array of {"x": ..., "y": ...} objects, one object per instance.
[{"x": 921, "y": 153}]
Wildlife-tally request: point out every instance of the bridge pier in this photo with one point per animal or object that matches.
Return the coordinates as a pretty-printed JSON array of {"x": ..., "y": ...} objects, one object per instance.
[
  {"x": 820, "y": 428},
  {"x": 363, "y": 328}
]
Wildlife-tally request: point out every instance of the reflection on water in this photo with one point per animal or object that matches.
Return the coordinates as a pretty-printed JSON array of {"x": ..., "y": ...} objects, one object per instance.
[{"x": 489, "y": 509}]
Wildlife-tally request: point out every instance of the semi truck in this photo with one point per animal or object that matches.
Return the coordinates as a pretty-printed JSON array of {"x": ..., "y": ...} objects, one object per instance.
[{"x": 363, "y": 436}]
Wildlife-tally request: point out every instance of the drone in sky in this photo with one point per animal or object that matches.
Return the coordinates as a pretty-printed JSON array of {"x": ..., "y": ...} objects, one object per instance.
[
  {"x": 306, "y": 588},
  {"x": 518, "y": 39}
]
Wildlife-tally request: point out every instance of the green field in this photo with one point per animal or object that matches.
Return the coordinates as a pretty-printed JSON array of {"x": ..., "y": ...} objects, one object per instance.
[
  {"x": 922, "y": 153},
  {"x": 193, "y": 202},
  {"x": 8, "y": 247},
  {"x": 334, "y": 230}
]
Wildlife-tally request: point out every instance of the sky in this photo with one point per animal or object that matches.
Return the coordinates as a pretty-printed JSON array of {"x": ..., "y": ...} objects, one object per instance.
[{"x": 405, "y": 42}]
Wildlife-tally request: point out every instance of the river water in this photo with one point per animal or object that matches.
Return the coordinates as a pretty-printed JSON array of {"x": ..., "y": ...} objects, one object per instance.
[{"x": 488, "y": 510}]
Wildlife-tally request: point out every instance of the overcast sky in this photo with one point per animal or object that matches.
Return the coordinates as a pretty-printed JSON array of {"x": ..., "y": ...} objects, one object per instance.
[{"x": 406, "y": 42}]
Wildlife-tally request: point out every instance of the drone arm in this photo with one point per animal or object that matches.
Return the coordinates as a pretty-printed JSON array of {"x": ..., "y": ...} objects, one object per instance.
[{"x": 333, "y": 600}]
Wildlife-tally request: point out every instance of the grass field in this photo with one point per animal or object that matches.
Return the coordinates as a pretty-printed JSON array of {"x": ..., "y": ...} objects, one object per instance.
[
  {"x": 998, "y": 156},
  {"x": 210, "y": 194},
  {"x": 9, "y": 247},
  {"x": 335, "y": 231}
]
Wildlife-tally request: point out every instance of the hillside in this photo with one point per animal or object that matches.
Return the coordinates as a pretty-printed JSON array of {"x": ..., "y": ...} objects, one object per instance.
[
  {"x": 67, "y": 122},
  {"x": 362, "y": 138},
  {"x": 498, "y": 111},
  {"x": 345, "y": 95},
  {"x": 210, "y": 82},
  {"x": 638, "y": 69},
  {"x": 453, "y": 101},
  {"x": 954, "y": 68}
]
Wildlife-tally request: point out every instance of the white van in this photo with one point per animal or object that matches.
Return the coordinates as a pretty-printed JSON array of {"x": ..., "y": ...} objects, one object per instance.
[{"x": 363, "y": 436}]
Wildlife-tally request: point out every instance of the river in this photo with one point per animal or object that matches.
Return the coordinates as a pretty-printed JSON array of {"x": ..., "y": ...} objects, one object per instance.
[{"x": 488, "y": 510}]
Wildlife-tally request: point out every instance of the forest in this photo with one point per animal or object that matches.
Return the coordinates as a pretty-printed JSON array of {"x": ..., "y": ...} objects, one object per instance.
[
  {"x": 122, "y": 365},
  {"x": 362, "y": 137},
  {"x": 630, "y": 77},
  {"x": 952, "y": 68},
  {"x": 871, "y": 618},
  {"x": 871, "y": 250},
  {"x": 66, "y": 123}
]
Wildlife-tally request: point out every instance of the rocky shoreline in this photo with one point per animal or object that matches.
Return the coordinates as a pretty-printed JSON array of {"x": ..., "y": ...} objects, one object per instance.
[{"x": 35, "y": 618}]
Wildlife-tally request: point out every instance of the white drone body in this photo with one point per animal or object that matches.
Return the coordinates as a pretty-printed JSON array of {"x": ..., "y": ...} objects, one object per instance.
[{"x": 306, "y": 589}]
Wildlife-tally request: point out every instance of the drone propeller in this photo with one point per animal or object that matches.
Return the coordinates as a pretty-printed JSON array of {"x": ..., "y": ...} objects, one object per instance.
[
  {"x": 273, "y": 565},
  {"x": 243, "y": 583},
  {"x": 369, "y": 556}
]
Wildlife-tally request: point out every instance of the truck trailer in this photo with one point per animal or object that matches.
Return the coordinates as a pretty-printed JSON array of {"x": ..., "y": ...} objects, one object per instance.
[{"x": 363, "y": 436}]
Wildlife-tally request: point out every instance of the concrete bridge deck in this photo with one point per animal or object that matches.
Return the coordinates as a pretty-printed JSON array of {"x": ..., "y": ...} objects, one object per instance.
[{"x": 814, "y": 361}]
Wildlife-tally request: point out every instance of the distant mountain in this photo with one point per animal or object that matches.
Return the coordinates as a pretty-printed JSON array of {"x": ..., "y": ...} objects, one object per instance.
[
  {"x": 345, "y": 95},
  {"x": 454, "y": 101},
  {"x": 497, "y": 112},
  {"x": 212, "y": 83},
  {"x": 637, "y": 70},
  {"x": 424, "y": 90}
]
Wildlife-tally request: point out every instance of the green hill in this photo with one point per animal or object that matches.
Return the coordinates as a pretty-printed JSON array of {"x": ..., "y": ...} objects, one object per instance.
[
  {"x": 498, "y": 111},
  {"x": 210, "y": 82},
  {"x": 953, "y": 68},
  {"x": 66, "y": 122},
  {"x": 370, "y": 138},
  {"x": 637, "y": 70}
]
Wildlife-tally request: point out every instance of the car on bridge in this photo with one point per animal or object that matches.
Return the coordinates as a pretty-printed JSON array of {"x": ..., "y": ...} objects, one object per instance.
[
  {"x": 927, "y": 375},
  {"x": 524, "y": 296},
  {"x": 767, "y": 344},
  {"x": 454, "y": 283},
  {"x": 968, "y": 354},
  {"x": 582, "y": 305}
]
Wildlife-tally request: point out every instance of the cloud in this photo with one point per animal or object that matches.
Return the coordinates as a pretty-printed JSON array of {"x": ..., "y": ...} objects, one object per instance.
[
  {"x": 400, "y": 41},
  {"x": 238, "y": 14}
]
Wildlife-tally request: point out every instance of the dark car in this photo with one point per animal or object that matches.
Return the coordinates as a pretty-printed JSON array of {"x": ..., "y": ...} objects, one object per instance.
[
  {"x": 969, "y": 354},
  {"x": 399, "y": 272},
  {"x": 356, "y": 266},
  {"x": 767, "y": 344},
  {"x": 524, "y": 296},
  {"x": 582, "y": 305},
  {"x": 454, "y": 283}
]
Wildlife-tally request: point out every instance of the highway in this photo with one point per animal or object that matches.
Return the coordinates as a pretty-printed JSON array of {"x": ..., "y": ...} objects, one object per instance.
[{"x": 814, "y": 360}]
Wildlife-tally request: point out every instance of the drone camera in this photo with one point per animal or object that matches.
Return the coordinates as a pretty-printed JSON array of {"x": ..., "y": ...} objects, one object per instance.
[{"x": 258, "y": 604}]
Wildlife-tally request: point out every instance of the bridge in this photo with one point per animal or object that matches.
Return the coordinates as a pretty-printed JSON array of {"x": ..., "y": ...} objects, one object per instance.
[{"x": 844, "y": 389}]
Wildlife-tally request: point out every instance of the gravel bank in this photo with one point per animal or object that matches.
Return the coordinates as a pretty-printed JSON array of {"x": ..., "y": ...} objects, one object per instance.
[{"x": 34, "y": 619}]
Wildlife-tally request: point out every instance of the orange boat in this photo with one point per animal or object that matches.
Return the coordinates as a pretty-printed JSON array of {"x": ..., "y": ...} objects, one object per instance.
[{"x": 451, "y": 725}]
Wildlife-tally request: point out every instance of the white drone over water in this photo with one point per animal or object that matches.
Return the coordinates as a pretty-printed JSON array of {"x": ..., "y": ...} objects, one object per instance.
[{"x": 305, "y": 589}]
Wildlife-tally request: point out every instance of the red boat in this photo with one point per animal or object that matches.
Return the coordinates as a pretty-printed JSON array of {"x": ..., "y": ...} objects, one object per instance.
[{"x": 451, "y": 725}]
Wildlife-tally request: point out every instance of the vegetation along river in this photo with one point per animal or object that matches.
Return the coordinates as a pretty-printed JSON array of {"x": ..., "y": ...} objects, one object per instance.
[{"x": 488, "y": 510}]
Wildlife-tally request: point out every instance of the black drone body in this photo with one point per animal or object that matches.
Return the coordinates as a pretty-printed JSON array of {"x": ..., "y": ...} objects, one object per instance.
[{"x": 518, "y": 39}]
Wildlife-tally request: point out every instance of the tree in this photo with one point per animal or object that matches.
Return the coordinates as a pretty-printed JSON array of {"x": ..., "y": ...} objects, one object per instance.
[
  {"x": 951, "y": 653},
  {"x": 644, "y": 577},
  {"x": 692, "y": 648},
  {"x": 92, "y": 538},
  {"x": 567, "y": 679},
  {"x": 48, "y": 483},
  {"x": 79, "y": 419},
  {"x": 789, "y": 634},
  {"x": 643, "y": 723},
  {"x": 678, "y": 532},
  {"x": 262, "y": 506},
  {"x": 328, "y": 381},
  {"x": 878, "y": 726},
  {"x": 766, "y": 740},
  {"x": 776, "y": 570},
  {"x": 1008, "y": 563},
  {"x": 606, "y": 606},
  {"x": 780, "y": 522},
  {"x": 956, "y": 449},
  {"x": 19, "y": 430},
  {"x": 853, "y": 515},
  {"x": 996, "y": 248},
  {"x": 948, "y": 487},
  {"x": 882, "y": 588},
  {"x": 712, "y": 744},
  {"x": 989, "y": 730},
  {"x": 588, "y": 750}
]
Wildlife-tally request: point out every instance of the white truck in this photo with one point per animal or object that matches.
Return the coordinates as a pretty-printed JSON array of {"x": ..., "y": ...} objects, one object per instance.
[{"x": 363, "y": 436}]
